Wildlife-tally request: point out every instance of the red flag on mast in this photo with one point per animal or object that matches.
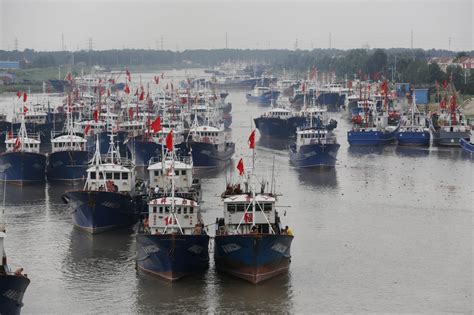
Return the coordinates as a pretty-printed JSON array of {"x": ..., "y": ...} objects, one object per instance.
[
  {"x": 18, "y": 94},
  {"x": 142, "y": 96},
  {"x": 129, "y": 76},
  {"x": 95, "y": 115},
  {"x": 127, "y": 89},
  {"x": 10, "y": 134},
  {"x": 17, "y": 143},
  {"x": 240, "y": 167},
  {"x": 86, "y": 130},
  {"x": 25, "y": 109},
  {"x": 156, "y": 125},
  {"x": 252, "y": 140},
  {"x": 169, "y": 141},
  {"x": 25, "y": 96},
  {"x": 130, "y": 113}
]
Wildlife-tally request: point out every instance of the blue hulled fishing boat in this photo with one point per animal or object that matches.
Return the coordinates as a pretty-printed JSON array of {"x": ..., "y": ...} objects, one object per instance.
[
  {"x": 414, "y": 128},
  {"x": 12, "y": 284},
  {"x": 314, "y": 146},
  {"x": 22, "y": 163},
  {"x": 468, "y": 145},
  {"x": 262, "y": 95},
  {"x": 279, "y": 122},
  {"x": 250, "y": 243},
  {"x": 106, "y": 202},
  {"x": 371, "y": 129},
  {"x": 209, "y": 146},
  {"x": 171, "y": 241},
  {"x": 69, "y": 158}
]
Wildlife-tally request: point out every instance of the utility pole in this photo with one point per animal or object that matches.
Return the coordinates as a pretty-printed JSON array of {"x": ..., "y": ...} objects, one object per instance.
[{"x": 330, "y": 40}]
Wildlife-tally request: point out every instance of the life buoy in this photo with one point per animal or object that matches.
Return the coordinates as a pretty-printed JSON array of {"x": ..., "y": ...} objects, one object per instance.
[{"x": 248, "y": 218}]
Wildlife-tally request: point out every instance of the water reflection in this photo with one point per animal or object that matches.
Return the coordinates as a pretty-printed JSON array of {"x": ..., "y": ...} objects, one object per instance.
[
  {"x": 23, "y": 195},
  {"x": 412, "y": 151},
  {"x": 318, "y": 177},
  {"x": 449, "y": 153},
  {"x": 274, "y": 143},
  {"x": 272, "y": 296},
  {"x": 365, "y": 150}
]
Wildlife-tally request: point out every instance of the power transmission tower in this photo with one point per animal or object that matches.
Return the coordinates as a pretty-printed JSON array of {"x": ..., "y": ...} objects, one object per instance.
[
  {"x": 90, "y": 44},
  {"x": 15, "y": 45}
]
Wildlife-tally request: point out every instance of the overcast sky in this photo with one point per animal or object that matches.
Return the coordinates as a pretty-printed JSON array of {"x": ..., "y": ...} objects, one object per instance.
[{"x": 39, "y": 24}]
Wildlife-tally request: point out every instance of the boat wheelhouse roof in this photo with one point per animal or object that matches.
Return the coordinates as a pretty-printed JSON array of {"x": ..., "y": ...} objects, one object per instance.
[
  {"x": 312, "y": 131},
  {"x": 68, "y": 138},
  {"x": 92, "y": 123},
  {"x": 206, "y": 128},
  {"x": 178, "y": 165},
  {"x": 247, "y": 198},
  {"x": 109, "y": 167},
  {"x": 23, "y": 140},
  {"x": 29, "y": 114},
  {"x": 167, "y": 201},
  {"x": 279, "y": 110}
]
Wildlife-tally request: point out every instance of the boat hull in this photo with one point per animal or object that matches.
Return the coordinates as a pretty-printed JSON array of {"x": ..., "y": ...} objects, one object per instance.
[
  {"x": 206, "y": 155},
  {"x": 419, "y": 138},
  {"x": 331, "y": 100},
  {"x": 67, "y": 166},
  {"x": 449, "y": 138},
  {"x": 466, "y": 146},
  {"x": 172, "y": 256},
  {"x": 22, "y": 168},
  {"x": 371, "y": 137},
  {"x": 271, "y": 126},
  {"x": 100, "y": 211},
  {"x": 12, "y": 289},
  {"x": 253, "y": 257},
  {"x": 264, "y": 99},
  {"x": 144, "y": 150},
  {"x": 314, "y": 155}
]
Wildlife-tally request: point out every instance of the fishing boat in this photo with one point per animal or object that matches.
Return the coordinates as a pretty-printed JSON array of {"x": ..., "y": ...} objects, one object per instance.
[
  {"x": 250, "y": 243},
  {"x": 279, "y": 122},
  {"x": 314, "y": 146},
  {"x": 371, "y": 129},
  {"x": 69, "y": 158},
  {"x": 448, "y": 125},
  {"x": 413, "y": 128},
  {"x": 107, "y": 200},
  {"x": 209, "y": 146},
  {"x": 262, "y": 95},
  {"x": 22, "y": 163},
  {"x": 468, "y": 145},
  {"x": 12, "y": 284},
  {"x": 171, "y": 240}
]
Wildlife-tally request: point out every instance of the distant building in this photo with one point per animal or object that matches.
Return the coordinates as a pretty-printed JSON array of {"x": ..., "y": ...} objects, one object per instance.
[
  {"x": 6, "y": 78},
  {"x": 466, "y": 62},
  {"x": 443, "y": 62},
  {"x": 9, "y": 65}
]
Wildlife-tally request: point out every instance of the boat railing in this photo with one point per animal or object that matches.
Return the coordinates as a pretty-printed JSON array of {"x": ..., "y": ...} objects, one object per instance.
[{"x": 186, "y": 159}]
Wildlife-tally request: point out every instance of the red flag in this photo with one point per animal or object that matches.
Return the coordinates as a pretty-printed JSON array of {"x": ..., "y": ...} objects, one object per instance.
[
  {"x": 136, "y": 92},
  {"x": 108, "y": 92},
  {"x": 25, "y": 96},
  {"x": 130, "y": 113},
  {"x": 95, "y": 115},
  {"x": 252, "y": 140},
  {"x": 86, "y": 130},
  {"x": 10, "y": 134},
  {"x": 17, "y": 143},
  {"x": 127, "y": 89},
  {"x": 142, "y": 96},
  {"x": 302, "y": 87},
  {"x": 25, "y": 109},
  {"x": 129, "y": 76},
  {"x": 18, "y": 94},
  {"x": 169, "y": 141},
  {"x": 156, "y": 125},
  {"x": 240, "y": 167},
  {"x": 349, "y": 84}
]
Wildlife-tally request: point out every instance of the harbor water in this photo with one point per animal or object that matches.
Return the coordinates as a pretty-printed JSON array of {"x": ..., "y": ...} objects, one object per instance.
[{"x": 388, "y": 229}]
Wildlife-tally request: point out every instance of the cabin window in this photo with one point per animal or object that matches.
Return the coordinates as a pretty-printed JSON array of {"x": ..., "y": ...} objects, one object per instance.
[
  {"x": 231, "y": 208},
  {"x": 108, "y": 175},
  {"x": 154, "y": 209},
  {"x": 183, "y": 172},
  {"x": 178, "y": 210},
  {"x": 124, "y": 175},
  {"x": 93, "y": 175},
  {"x": 176, "y": 173},
  {"x": 156, "y": 173},
  {"x": 167, "y": 209},
  {"x": 239, "y": 207},
  {"x": 116, "y": 175},
  {"x": 191, "y": 210},
  {"x": 267, "y": 207},
  {"x": 185, "y": 210}
]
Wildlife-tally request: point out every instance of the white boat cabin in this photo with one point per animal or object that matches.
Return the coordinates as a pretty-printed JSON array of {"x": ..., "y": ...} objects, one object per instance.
[
  {"x": 36, "y": 117},
  {"x": 93, "y": 126},
  {"x": 310, "y": 136},
  {"x": 280, "y": 113},
  {"x": 23, "y": 144},
  {"x": 239, "y": 214},
  {"x": 161, "y": 219},
  {"x": 133, "y": 127},
  {"x": 68, "y": 142},
  {"x": 160, "y": 175},
  {"x": 209, "y": 134},
  {"x": 260, "y": 90},
  {"x": 110, "y": 177}
]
